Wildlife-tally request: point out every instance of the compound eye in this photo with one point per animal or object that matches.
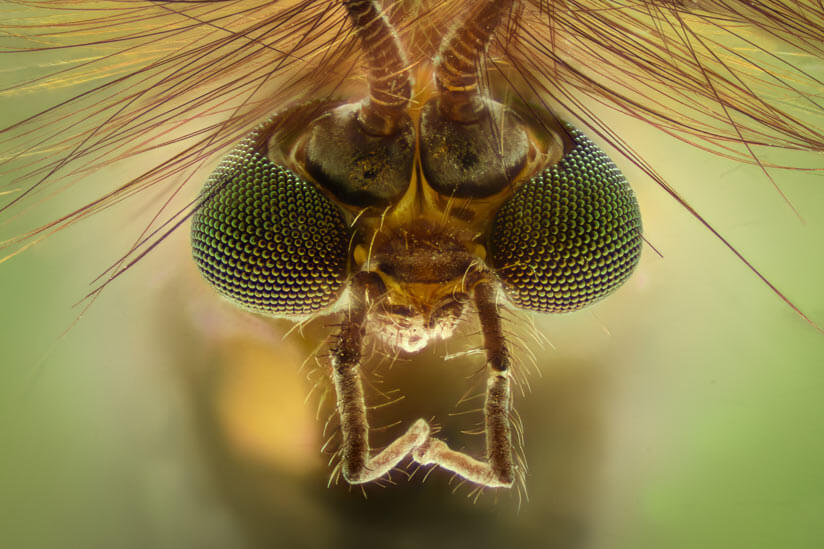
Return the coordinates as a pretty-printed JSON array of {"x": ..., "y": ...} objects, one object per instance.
[
  {"x": 359, "y": 168},
  {"x": 474, "y": 154},
  {"x": 267, "y": 239},
  {"x": 570, "y": 235}
]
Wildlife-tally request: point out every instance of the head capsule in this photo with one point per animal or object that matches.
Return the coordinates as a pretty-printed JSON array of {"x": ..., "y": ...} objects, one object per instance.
[
  {"x": 277, "y": 244},
  {"x": 533, "y": 204}
]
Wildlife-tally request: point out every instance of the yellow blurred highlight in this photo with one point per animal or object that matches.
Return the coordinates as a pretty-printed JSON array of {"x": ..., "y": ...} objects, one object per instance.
[{"x": 261, "y": 407}]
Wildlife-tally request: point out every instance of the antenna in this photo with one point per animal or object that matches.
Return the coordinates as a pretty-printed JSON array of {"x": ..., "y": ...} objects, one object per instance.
[{"x": 390, "y": 86}]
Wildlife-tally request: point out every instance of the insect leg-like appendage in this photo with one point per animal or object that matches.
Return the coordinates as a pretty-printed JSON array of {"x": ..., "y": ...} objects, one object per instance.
[
  {"x": 497, "y": 471},
  {"x": 357, "y": 464}
]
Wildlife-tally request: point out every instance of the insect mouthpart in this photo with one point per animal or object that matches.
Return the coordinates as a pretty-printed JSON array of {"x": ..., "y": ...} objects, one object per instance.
[
  {"x": 417, "y": 208},
  {"x": 411, "y": 329},
  {"x": 423, "y": 270}
]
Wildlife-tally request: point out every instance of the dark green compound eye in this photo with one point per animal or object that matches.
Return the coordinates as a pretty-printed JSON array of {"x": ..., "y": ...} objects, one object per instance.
[
  {"x": 568, "y": 236},
  {"x": 267, "y": 239}
]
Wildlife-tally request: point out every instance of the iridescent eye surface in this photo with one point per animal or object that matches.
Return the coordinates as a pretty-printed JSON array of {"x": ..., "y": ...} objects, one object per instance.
[
  {"x": 568, "y": 236},
  {"x": 267, "y": 239}
]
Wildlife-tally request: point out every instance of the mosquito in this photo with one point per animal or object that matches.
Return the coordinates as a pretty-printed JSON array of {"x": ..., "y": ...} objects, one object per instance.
[{"x": 451, "y": 185}]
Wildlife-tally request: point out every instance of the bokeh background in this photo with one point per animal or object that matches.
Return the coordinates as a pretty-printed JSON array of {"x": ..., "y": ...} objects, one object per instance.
[{"x": 685, "y": 411}]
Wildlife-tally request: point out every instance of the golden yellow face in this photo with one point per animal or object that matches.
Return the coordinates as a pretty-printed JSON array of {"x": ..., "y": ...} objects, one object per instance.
[{"x": 680, "y": 411}]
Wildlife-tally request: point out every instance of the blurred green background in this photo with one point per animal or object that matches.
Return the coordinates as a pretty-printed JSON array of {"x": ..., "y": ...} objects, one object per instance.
[{"x": 685, "y": 411}]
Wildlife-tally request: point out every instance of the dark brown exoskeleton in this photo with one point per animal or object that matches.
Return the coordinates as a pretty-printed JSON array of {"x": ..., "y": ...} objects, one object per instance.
[{"x": 417, "y": 208}]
